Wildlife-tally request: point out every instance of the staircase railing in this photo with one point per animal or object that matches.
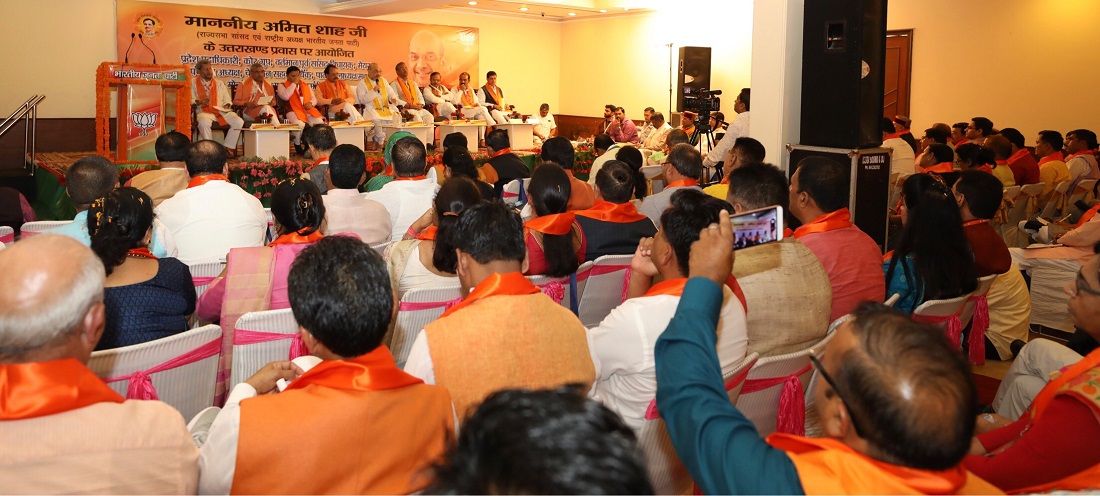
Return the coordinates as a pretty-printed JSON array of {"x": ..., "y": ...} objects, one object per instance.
[{"x": 28, "y": 112}]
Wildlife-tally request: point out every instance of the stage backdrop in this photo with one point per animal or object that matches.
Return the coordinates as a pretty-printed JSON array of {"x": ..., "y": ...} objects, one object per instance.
[{"x": 233, "y": 39}]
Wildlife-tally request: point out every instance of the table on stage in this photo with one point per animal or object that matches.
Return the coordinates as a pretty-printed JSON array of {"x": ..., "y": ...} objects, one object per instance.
[
  {"x": 267, "y": 143},
  {"x": 520, "y": 136},
  {"x": 353, "y": 134},
  {"x": 469, "y": 129},
  {"x": 424, "y": 132}
]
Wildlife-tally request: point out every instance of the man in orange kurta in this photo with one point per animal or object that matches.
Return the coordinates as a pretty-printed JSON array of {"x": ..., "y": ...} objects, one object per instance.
[
  {"x": 523, "y": 338},
  {"x": 337, "y": 95},
  {"x": 352, "y": 424}
]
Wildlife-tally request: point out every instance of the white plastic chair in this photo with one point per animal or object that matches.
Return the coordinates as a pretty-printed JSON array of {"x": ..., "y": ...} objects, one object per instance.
[
  {"x": 418, "y": 308},
  {"x": 1030, "y": 196},
  {"x": 270, "y": 224},
  {"x": 260, "y": 338},
  {"x": 813, "y": 422},
  {"x": 202, "y": 274},
  {"x": 1083, "y": 189},
  {"x": 515, "y": 192},
  {"x": 954, "y": 315},
  {"x": 1057, "y": 201},
  {"x": 558, "y": 288},
  {"x": 380, "y": 248},
  {"x": 1014, "y": 211},
  {"x": 40, "y": 226},
  {"x": 1049, "y": 277},
  {"x": 761, "y": 393},
  {"x": 602, "y": 287},
  {"x": 666, "y": 471},
  {"x": 179, "y": 370},
  {"x": 7, "y": 235}
]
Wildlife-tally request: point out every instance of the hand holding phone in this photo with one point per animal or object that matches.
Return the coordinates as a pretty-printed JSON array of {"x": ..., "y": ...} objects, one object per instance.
[{"x": 757, "y": 227}]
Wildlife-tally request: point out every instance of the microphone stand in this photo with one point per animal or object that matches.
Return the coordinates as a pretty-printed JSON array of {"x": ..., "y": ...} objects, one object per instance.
[
  {"x": 126, "y": 58},
  {"x": 147, "y": 48}
]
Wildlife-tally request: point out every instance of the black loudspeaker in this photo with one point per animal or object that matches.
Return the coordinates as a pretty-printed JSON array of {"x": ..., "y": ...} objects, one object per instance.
[
  {"x": 693, "y": 74},
  {"x": 843, "y": 59},
  {"x": 869, "y": 176}
]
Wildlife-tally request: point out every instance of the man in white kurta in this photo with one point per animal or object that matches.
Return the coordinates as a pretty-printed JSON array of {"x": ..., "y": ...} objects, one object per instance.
[
  {"x": 738, "y": 128},
  {"x": 214, "y": 100},
  {"x": 466, "y": 98},
  {"x": 488, "y": 98},
  {"x": 438, "y": 95},
  {"x": 409, "y": 97},
  {"x": 547, "y": 127},
  {"x": 411, "y": 193},
  {"x": 380, "y": 103}
]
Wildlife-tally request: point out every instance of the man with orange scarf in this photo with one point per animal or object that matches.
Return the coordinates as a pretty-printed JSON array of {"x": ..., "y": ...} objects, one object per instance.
[
  {"x": 379, "y": 101},
  {"x": 215, "y": 105},
  {"x": 250, "y": 92},
  {"x": 302, "y": 101},
  {"x": 1050, "y": 401},
  {"x": 336, "y": 93},
  {"x": 352, "y": 424},
  {"x": 491, "y": 97},
  {"x": 63, "y": 429},
  {"x": 409, "y": 96},
  {"x": 819, "y": 199},
  {"x": 623, "y": 342},
  {"x": 530, "y": 340},
  {"x": 466, "y": 98},
  {"x": 894, "y": 397}
]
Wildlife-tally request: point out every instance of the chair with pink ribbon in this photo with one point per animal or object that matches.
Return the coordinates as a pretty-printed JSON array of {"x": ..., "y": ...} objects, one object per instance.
[
  {"x": 514, "y": 192},
  {"x": 202, "y": 274},
  {"x": 774, "y": 394},
  {"x": 263, "y": 337},
  {"x": 956, "y": 315},
  {"x": 602, "y": 287},
  {"x": 40, "y": 226},
  {"x": 559, "y": 289},
  {"x": 179, "y": 370},
  {"x": 666, "y": 471},
  {"x": 7, "y": 235},
  {"x": 417, "y": 308}
]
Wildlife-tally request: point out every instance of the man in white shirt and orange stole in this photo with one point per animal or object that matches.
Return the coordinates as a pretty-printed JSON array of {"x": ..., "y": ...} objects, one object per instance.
[
  {"x": 409, "y": 97},
  {"x": 252, "y": 91},
  {"x": 466, "y": 99},
  {"x": 375, "y": 93},
  {"x": 439, "y": 97},
  {"x": 215, "y": 105},
  {"x": 530, "y": 341},
  {"x": 352, "y": 424},
  {"x": 492, "y": 98},
  {"x": 336, "y": 93},
  {"x": 62, "y": 430},
  {"x": 302, "y": 101}
]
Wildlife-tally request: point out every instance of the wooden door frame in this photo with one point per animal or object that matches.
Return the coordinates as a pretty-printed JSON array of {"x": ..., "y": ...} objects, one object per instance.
[{"x": 908, "y": 33}]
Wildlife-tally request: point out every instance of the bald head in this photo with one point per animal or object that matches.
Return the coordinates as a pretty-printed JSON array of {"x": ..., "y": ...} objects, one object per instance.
[{"x": 51, "y": 293}]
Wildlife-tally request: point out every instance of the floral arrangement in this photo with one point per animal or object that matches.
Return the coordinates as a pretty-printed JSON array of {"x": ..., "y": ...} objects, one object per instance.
[
  {"x": 407, "y": 116},
  {"x": 259, "y": 177},
  {"x": 265, "y": 117},
  {"x": 103, "y": 82},
  {"x": 341, "y": 115}
]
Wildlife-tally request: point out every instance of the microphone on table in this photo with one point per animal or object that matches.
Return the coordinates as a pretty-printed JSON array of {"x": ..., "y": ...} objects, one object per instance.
[
  {"x": 126, "y": 59},
  {"x": 147, "y": 48}
]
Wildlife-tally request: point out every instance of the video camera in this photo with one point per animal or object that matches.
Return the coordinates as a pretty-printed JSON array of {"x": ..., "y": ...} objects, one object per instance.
[{"x": 701, "y": 103}]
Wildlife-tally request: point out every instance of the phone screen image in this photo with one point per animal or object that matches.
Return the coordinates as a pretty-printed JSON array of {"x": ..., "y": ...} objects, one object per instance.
[{"x": 757, "y": 227}]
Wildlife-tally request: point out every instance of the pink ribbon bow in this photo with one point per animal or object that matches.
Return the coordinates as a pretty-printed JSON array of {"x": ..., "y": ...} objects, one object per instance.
[
  {"x": 141, "y": 384},
  {"x": 554, "y": 290},
  {"x": 297, "y": 346},
  {"x": 790, "y": 418}
]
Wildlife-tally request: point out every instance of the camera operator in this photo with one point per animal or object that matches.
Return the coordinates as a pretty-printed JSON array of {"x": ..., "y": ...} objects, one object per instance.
[{"x": 737, "y": 129}]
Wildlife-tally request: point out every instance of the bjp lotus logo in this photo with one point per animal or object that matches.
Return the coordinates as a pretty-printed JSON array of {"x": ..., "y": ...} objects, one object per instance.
[{"x": 144, "y": 121}]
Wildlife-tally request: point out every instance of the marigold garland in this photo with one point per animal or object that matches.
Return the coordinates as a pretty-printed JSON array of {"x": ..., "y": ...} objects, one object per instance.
[{"x": 103, "y": 83}]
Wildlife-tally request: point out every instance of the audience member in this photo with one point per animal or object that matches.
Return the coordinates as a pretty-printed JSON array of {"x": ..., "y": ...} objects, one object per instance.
[
  {"x": 902, "y": 159},
  {"x": 647, "y": 127},
  {"x": 958, "y": 133},
  {"x": 938, "y": 158},
  {"x": 819, "y": 195},
  {"x": 428, "y": 260},
  {"x": 778, "y": 275},
  {"x": 489, "y": 243},
  {"x": 321, "y": 140},
  {"x": 681, "y": 169},
  {"x": 383, "y": 425},
  {"x": 1042, "y": 438},
  {"x": 738, "y": 129},
  {"x": 1081, "y": 159},
  {"x": 623, "y": 342},
  {"x": 485, "y": 172},
  {"x": 171, "y": 177},
  {"x": 1002, "y": 150},
  {"x": 147, "y": 297},
  {"x": 547, "y": 127},
  {"x": 555, "y": 240},
  {"x": 675, "y": 137},
  {"x": 605, "y": 149},
  {"x": 346, "y": 211},
  {"x": 1025, "y": 170},
  {"x": 633, "y": 159},
  {"x": 542, "y": 442},
  {"x": 1009, "y": 302},
  {"x": 656, "y": 139},
  {"x": 457, "y": 162},
  {"x": 978, "y": 130},
  {"x": 212, "y": 215},
  {"x": 622, "y": 129},
  {"x": 745, "y": 150},
  {"x": 410, "y": 194},
  {"x": 1052, "y": 165},
  {"x": 560, "y": 151},
  {"x": 507, "y": 165},
  {"x": 969, "y": 156},
  {"x": 613, "y": 225},
  {"x": 902, "y": 125},
  {"x": 255, "y": 278},
  {"x": 608, "y": 119},
  {"x": 383, "y": 178},
  {"x": 63, "y": 429}
]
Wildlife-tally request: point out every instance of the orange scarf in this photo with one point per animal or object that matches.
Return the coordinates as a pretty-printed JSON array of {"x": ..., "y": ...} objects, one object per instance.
[
  {"x": 318, "y": 161},
  {"x": 142, "y": 252},
  {"x": 38, "y": 389},
  {"x": 1001, "y": 162},
  {"x": 831, "y": 221},
  {"x": 675, "y": 287},
  {"x": 1066, "y": 375},
  {"x": 683, "y": 183},
  {"x": 411, "y": 95},
  {"x": 298, "y": 105},
  {"x": 428, "y": 234},
  {"x": 339, "y": 89},
  {"x": 501, "y": 152},
  {"x": 1087, "y": 216},
  {"x": 468, "y": 99},
  {"x": 975, "y": 222},
  {"x": 1020, "y": 154},
  {"x": 1051, "y": 158},
  {"x": 554, "y": 224},
  {"x": 984, "y": 168},
  {"x": 295, "y": 238},
  {"x": 619, "y": 213},
  {"x": 212, "y": 106},
  {"x": 961, "y": 142},
  {"x": 205, "y": 178},
  {"x": 374, "y": 371},
  {"x": 498, "y": 96},
  {"x": 940, "y": 168},
  {"x": 248, "y": 88},
  {"x": 1078, "y": 154},
  {"x": 510, "y": 284},
  {"x": 893, "y": 135}
]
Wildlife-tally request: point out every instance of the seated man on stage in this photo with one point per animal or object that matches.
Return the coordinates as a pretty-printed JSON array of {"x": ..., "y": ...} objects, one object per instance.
[
  {"x": 492, "y": 97},
  {"x": 251, "y": 91},
  {"x": 409, "y": 97},
  {"x": 336, "y": 93},
  {"x": 467, "y": 98},
  {"x": 438, "y": 96},
  {"x": 303, "y": 104},
  {"x": 375, "y": 92},
  {"x": 215, "y": 102}
]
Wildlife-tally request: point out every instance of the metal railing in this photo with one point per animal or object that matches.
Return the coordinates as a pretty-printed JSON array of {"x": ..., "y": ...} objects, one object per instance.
[{"x": 28, "y": 111}]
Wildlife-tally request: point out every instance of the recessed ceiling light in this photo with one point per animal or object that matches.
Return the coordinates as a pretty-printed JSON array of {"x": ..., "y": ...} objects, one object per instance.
[
  {"x": 603, "y": 11},
  {"x": 523, "y": 9},
  {"x": 473, "y": 3},
  {"x": 572, "y": 14}
]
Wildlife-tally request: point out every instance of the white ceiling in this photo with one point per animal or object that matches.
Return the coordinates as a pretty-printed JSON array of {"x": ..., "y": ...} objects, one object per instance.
[{"x": 557, "y": 10}]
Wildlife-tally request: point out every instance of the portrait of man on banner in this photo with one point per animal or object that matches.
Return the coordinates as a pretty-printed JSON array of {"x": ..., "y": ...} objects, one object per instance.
[{"x": 148, "y": 25}]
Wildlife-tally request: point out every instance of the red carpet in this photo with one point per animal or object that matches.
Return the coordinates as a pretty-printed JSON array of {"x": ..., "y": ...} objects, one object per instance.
[{"x": 987, "y": 388}]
